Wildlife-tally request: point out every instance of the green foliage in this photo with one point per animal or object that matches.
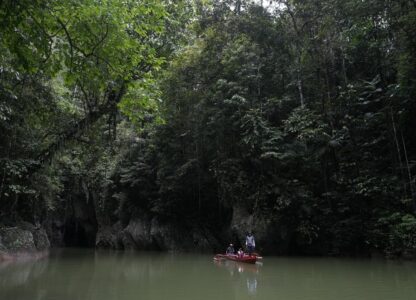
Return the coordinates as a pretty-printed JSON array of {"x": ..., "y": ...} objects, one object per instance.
[
  {"x": 396, "y": 233},
  {"x": 141, "y": 103},
  {"x": 306, "y": 125},
  {"x": 303, "y": 116},
  {"x": 64, "y": 66},
  {"x": 322, "y": 171}
]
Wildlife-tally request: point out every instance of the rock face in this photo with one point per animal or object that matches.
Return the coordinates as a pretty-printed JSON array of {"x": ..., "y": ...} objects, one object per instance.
[
  {"x": 40, "y": 237},
  {"x": 269, "y": 237},
  {"x": 108, "y": 237},
  {"x": 16, "y": 239},
  {"x": 145, "y": 232},
  {"x": 23, "y": 238},
  {"x": 148, "y": 232},
  {"x": 73, "y": 222}
]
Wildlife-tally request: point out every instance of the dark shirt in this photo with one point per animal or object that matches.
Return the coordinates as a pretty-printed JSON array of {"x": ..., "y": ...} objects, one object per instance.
[{"x": 230, "y": 250}]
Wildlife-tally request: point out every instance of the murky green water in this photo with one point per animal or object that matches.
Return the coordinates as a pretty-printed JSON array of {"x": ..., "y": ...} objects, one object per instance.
[{"x": 89, "y": 275}]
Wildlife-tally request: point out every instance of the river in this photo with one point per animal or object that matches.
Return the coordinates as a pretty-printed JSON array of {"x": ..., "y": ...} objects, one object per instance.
[{"x": 79, "y": 274}]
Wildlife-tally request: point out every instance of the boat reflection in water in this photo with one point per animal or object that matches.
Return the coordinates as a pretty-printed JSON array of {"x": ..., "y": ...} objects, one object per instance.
[{"x": 248, "y": 273}]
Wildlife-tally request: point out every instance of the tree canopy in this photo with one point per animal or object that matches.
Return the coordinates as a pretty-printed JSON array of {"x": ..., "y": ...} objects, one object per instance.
[{"x": 300, "y": 113}]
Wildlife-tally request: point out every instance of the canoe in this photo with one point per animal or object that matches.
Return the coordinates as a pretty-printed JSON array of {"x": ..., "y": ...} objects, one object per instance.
[{"x": 249, "y": 259}]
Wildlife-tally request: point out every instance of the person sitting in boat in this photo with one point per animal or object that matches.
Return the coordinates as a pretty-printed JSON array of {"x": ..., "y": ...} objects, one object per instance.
[
  {"x": 250, "y": 243},
  {"x": 230, "y": 250},
  {"x": 240, "y": 252}
]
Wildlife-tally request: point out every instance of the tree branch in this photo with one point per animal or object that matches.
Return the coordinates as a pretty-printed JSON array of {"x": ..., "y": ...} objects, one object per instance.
[
  {"x": 75, "y": 131},
  {"x": 84, "y": 54}
]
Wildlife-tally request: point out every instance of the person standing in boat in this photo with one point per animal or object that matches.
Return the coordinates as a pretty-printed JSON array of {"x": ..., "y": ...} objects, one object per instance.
[
  {"x": 250, "y": 243},
  {"x": 230, "y": 250}
]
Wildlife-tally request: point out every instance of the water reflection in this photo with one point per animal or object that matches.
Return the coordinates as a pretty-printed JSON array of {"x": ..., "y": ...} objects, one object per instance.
[
  {"x": 252, "y": 285},
  {"x": 18, "y": 273},
  {"x": 246, "y": 272},
  {"x": 90, "y": 275}
]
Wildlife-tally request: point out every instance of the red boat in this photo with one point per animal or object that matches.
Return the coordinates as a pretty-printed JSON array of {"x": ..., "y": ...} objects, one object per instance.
[{"x": 250, "y": 259}]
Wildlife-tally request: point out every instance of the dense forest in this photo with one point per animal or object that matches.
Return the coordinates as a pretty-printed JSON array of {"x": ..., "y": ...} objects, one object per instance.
[{"x": 180, "y": 125}]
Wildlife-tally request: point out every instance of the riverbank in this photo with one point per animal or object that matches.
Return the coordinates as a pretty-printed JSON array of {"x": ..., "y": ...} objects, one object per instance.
[
  {"x": 9, "y": 257},
  {"x": 24, "y": 241}
]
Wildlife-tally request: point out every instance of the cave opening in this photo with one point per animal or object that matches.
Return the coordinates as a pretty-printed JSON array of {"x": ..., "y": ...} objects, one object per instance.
[{"x": 80, "y": 235}]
